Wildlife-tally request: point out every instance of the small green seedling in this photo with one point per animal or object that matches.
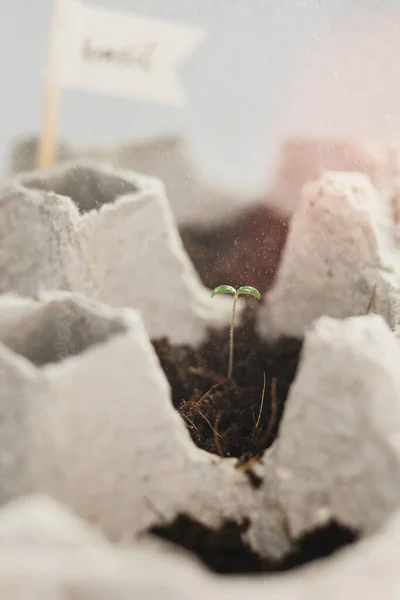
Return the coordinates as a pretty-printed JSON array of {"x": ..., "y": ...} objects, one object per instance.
[{"x": 245, "y": 290}]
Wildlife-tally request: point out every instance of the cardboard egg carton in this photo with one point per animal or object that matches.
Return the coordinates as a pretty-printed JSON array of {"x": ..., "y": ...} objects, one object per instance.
[
  {"x": 107, "y": 233},
  {"x": 194, "y": 200},
  {"x": 87, "y": 421},
  {"x": 86, "y": 411}
]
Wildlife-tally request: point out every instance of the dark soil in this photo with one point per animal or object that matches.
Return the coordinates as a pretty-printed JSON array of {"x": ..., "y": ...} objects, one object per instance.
[
  {"x": 245, "y": 251},
  {"x": 224, "y": 416},
  {"x": 224, "y": 551}
]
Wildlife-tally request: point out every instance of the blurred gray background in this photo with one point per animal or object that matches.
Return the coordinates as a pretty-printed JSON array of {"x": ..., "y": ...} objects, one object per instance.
[{"x": 266, "y": 69}]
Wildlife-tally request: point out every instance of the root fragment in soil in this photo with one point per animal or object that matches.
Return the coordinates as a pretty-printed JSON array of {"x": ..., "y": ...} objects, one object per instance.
[
  {"x": 246, "y": 249},
  {"x": 236, "y": 417},
  {"x": 224, "y": 551}
]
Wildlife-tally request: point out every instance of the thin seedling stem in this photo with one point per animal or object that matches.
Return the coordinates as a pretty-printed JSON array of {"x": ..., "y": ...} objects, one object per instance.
[
  {"x": 231, "y": 336},
  {"x": 262, "y": 401},
  {"x": 246, "y": 290}
]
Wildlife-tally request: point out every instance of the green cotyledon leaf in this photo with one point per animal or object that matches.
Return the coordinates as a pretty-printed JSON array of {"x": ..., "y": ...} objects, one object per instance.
[
  {"x": 223, "y": 289},
  {"x": 249, "y": 291}
]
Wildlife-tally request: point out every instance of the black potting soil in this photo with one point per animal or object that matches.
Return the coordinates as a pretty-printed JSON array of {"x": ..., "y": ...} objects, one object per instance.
[
  {"x": 236, "y": 417},
  {"x": 224, "y": 551},
  {"x": 244, "y": 251}
]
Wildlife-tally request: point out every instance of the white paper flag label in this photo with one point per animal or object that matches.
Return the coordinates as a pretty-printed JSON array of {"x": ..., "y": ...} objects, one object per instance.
[{"x": 119, "y": 53}]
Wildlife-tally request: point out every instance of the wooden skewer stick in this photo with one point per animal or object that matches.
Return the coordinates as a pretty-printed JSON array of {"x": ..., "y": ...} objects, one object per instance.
[
  {"x": 46, "y": 150},
  {"x": 46, "y": 154}
]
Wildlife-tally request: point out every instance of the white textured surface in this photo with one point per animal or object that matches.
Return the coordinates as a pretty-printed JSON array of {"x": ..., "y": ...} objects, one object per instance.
[
  {"x": 366, "y": 570},
  {"x": 40, "y": 243},
  {"x": 39, "y": 520},
  {"x": 124, "y": 248},
  {"x": 193, "y": 199},
  {"x": 97, "y": 431},
  {"x": 340, "y": 245},
  {"x": 338, "y": 452}
]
